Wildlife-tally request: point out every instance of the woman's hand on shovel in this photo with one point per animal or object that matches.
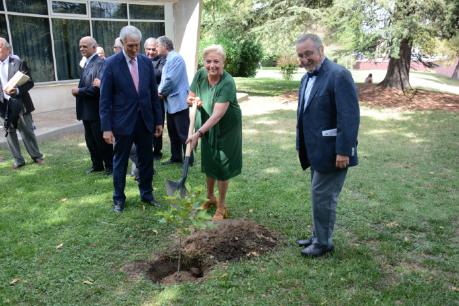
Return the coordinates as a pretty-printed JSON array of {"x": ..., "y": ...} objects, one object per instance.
[
  {"x": 193, "y": 140},
  {"x": 192, "y": 99}
]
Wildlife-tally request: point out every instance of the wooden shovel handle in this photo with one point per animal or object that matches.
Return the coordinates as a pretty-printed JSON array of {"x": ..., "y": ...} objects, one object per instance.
[{"x": 191, "y": 128}]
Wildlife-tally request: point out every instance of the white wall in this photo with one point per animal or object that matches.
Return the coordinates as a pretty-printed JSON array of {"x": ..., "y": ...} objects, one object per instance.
[
  {"x": 52, "y": 97},
  {"x": 187, "y": 15}
]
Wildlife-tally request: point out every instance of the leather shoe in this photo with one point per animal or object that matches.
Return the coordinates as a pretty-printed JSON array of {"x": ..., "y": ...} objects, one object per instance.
[
  {"x": 316, "y": 250},
  {"x": 93, "y": 170},
  {"x": 152, "y": 202},
  {"x": 118, "y": 206},
  {"x": 17, "y": 166},
  {"x": 305, "y": 242},
  {"x": 157, "y": 156}
]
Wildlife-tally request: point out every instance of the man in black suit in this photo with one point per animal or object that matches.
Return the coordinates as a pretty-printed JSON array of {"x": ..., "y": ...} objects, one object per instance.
[
  {"x": 151, "y": 51},
  {"x": 87, "y": 108},
  {"x": 16, "y": 107}
]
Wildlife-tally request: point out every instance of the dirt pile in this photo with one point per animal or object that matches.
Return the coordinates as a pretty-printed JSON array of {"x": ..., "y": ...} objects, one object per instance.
[{"x": 229, "y": 240}]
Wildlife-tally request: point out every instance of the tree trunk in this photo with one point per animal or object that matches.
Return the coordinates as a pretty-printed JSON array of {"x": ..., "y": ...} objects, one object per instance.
[
  {"x": 398, "y": 72},
  {"x": 455, "y": 75}
]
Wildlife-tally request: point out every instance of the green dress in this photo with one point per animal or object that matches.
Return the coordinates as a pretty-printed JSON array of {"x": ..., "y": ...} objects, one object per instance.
[{"x": 221, "y": 146}]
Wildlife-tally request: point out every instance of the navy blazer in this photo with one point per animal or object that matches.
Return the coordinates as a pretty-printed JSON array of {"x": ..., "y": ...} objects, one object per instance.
[
  {"x": 119, "y": 100},
  {"x": 87, "y": 99},
  {"x": 332, "y": 104}
]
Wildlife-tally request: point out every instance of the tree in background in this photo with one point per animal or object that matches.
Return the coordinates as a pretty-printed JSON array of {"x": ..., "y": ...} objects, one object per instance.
[
  {"x": 392, "y": 28},
  {"x": 228, "y": 23}
]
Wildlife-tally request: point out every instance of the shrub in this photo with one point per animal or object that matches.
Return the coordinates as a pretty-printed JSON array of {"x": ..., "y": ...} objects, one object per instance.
[{"x": 288, "y": 66}]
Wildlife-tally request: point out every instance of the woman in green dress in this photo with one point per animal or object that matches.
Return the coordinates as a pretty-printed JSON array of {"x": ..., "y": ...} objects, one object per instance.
[{"x": 219, "y": 125}]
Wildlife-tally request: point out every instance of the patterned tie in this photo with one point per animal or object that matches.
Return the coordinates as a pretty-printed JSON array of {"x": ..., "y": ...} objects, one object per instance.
[{"x": 134, "y": 74}]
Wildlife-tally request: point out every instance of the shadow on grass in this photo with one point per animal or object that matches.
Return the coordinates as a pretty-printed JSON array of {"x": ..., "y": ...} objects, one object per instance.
[{"x": 396, "y": 219}]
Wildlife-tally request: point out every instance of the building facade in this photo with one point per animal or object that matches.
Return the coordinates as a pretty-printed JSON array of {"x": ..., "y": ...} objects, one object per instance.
[{"x": 46, "y": 34}]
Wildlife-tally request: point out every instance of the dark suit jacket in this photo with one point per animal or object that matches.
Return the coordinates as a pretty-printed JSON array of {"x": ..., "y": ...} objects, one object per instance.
[
  {"x": 333, "y": 104},
  {"x": 23, "y": 97},
  {"x": 119, "y": 100},
  {"x": 158, "y": 64},
  {"x": 87, "y": 100}
]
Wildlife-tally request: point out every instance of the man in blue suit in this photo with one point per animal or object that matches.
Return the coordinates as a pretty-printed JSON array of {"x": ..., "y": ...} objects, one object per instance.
[
  {"x": 173, "y": 89},
  {"x": 130, "y": 113},
  {"x": 328, "y": 122}
]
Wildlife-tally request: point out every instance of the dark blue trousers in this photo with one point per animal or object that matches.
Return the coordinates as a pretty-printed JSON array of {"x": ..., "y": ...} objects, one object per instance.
[{"x": 143, "y": 139}]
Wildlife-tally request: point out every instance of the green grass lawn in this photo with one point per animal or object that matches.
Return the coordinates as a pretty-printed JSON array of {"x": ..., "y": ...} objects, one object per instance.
[{"x": 396, "y": 237}]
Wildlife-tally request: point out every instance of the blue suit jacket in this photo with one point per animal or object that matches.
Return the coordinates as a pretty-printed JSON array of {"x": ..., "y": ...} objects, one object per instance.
[
  {"x": 174, "y": 83},
  {"x": 119, "y": 100},
  {"x": 333, "y": 104}
]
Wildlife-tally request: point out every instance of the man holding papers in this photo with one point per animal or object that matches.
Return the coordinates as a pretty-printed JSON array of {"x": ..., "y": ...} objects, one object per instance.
[{"x": 16, "y": 106}]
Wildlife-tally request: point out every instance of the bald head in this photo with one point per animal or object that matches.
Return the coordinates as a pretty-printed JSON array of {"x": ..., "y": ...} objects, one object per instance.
[{"x": 88, "y": 46}]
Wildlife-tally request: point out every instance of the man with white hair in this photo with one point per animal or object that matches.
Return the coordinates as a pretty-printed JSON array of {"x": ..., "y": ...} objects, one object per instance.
[
  {"x": 151, "y": 51},
  {"x": 130, "y": 114},
  {"x": 173, "y": 89},
  {"x": 16, "y": 107}
]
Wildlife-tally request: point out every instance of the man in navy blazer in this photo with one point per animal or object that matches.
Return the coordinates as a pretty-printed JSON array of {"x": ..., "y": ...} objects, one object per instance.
[
  {"x": 328, "y": 121},
  {"x": 130, "y": 113},
  {"x": 173, "y": 88}
]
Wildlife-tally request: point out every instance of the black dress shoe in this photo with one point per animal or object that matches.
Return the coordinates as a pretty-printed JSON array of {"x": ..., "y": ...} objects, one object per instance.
[
  {"x": 305, "y": 242},
  {"x": 93, "y": 170},
  {"x": 118, "y": 206},
  {"x": 316, "y": 250},
  {"x": 152, "y": 202},
  {"x": 157, "y": 156},
  {"x": 108, "y": 171},
  {"x": 17, "y": 166}
]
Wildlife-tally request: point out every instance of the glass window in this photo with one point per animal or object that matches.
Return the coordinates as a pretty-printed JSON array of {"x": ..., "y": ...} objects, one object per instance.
[
  {"x": 67, "y": 34},
  {"x": 32, "y": 43},
  {"x": 105, "y": 33},
  {"x": 28, "y": 6},
  {"x": 3, "y": 28},
  {"x": 101, "y": 9},
  {"x": 1, "y": 6},
  {"x": 150, "y": 29},
  {"x": 147, "y": 12},
  {"x": 69, "y": 8}
]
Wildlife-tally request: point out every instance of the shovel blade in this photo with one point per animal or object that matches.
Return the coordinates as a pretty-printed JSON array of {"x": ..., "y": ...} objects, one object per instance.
[{"x": 173, "y": 187}]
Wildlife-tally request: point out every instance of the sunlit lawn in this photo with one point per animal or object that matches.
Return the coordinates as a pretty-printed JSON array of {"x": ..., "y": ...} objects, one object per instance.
[{"x": 396, "y": 236}]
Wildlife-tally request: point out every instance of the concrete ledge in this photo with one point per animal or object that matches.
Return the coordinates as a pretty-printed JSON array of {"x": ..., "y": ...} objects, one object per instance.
[{"x": 50, "y": 133}]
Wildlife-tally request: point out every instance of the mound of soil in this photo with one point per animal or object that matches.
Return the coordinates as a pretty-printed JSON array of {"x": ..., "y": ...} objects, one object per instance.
[
  {"x": 373, "y": 95},
  {"x": 229, "y": 240}
]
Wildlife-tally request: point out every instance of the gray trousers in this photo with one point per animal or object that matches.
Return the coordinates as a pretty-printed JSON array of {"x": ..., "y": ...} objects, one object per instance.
[
  {"x": 25, "y": 127},
  {"x": 325, "y": 190}
]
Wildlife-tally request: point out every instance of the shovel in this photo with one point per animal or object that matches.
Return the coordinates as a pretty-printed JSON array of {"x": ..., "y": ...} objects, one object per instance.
[{"x": 179, "y": 186}]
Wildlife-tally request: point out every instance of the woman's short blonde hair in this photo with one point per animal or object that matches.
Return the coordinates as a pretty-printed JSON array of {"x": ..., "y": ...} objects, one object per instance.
[{"x": 214, "y": 48}]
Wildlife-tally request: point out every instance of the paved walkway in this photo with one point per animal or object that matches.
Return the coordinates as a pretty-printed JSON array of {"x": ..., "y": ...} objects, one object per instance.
[{"x": 53, "y": 124}]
